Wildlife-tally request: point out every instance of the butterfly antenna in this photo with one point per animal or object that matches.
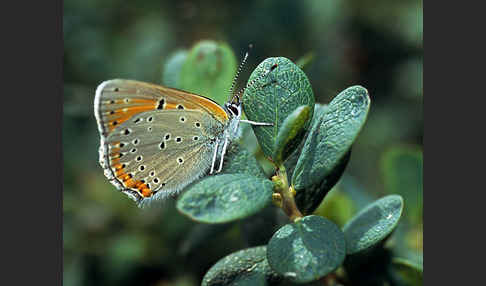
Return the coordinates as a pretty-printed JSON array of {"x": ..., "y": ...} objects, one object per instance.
[
  {"x": 239, "y": 69},
  {"x": 251, "y": 83}
]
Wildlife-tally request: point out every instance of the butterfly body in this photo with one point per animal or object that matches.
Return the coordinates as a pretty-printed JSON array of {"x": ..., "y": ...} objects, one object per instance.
[{"x": 156, "y": 140}]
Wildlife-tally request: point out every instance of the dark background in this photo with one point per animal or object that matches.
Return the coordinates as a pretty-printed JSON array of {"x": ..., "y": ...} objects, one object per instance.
[{"x": 377, "y": 44}]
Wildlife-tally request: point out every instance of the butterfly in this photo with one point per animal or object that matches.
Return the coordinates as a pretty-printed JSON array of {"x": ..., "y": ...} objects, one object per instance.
[{"x": 155, "y": 140}]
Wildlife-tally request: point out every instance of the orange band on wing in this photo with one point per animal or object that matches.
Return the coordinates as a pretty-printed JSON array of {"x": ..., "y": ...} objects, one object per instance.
[
  {"x": 215, "y": 110},
  {"x": 142, "y": 100},
  {"x": 129, "y": 182},
  {"x": 187, "y": 99},
  {"x": 121, "y": 115},
  {"x": 126, "y": 179}
]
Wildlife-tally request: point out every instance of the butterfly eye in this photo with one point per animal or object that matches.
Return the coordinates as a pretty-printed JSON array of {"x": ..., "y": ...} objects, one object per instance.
[{"x": 234, "y": 109}]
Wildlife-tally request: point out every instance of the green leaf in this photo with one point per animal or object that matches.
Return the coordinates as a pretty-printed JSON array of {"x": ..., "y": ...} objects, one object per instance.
[
  {"x": 240, "y": 161},
  {"x": 291, "y": 162},
  {"x": 172, "y": 69},
  {"x": 290, "y": 134},
  {"x": 245, "y": 267},
  {"x": 332, "y": 137},
  {"x": 403, "y": 174},
  {"x": 307, "y": 249},
  {"x": 310, "y": 198},
  {"x": 224, "y": 198},
  {"x": 272, "y": 98},
  {"x": 373, "y": 224},
  {"x": 209, "y": 70}
]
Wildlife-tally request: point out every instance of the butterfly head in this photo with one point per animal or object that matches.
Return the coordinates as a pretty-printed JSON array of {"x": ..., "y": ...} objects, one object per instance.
[{"x": 233, "y": 108}]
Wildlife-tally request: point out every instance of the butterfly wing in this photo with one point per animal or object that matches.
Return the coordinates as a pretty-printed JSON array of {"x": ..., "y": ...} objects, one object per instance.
[
  {"x": 118, "y": 100},
  {"x": 154, "y": 140}
]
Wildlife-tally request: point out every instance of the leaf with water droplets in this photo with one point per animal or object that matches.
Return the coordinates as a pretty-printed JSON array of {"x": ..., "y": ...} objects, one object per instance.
[
  {"x": 224, "y": 198},
  {"x": 373, "y": 224},
  {"x": 332, "y": 137},
  {"x": 310, "y": 198},
  {"x": 290, "y": 163},
  {"x": 245, "y": 267},
  {"x": 272, "y": 98},
  {"x": 307, "y": 249}
]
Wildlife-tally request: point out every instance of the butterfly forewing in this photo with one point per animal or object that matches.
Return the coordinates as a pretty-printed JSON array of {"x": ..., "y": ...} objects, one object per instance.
[
  {"x": 118, "y": 100},
  {"x": 155, "y": 140}
]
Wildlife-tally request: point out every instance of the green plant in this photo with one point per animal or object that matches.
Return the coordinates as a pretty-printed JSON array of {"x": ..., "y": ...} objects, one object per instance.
[{"x": 304, "y": 155}]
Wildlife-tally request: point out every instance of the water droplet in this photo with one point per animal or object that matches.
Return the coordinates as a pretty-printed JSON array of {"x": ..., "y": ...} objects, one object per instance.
[{"x": 290, "y": 274}]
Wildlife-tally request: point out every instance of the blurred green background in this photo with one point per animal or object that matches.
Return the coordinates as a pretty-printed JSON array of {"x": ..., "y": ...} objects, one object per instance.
[{"x": 376, "y": 43}]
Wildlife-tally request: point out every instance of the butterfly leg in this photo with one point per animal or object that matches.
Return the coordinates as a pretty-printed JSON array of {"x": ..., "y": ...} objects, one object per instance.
[
  {"x": 257, "y": 123},
  {"x": 214, "y": 158},
  {"x": 222, "y": 155}
]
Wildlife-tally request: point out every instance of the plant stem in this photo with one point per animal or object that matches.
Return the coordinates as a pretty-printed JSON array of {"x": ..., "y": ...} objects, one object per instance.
[{"x": 287, "y": 194}]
